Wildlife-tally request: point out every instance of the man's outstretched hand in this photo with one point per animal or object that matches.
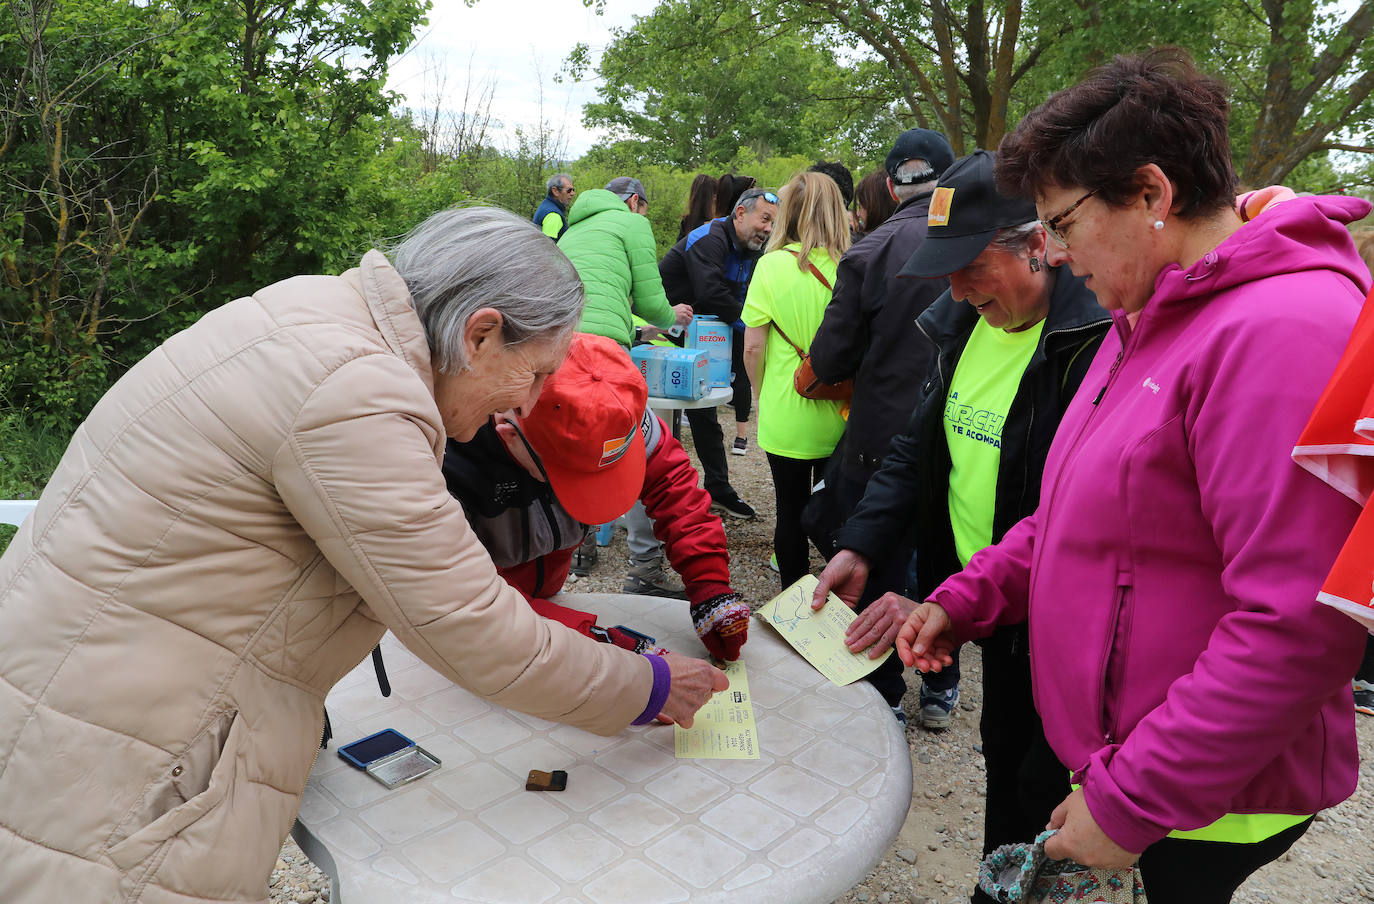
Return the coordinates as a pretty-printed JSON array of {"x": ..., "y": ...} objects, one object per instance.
[
  {"x": 876, "y": 627},
  {"x": 845, "y": 576}
]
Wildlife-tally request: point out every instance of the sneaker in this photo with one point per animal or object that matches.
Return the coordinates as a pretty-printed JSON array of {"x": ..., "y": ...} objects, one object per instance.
[
  {"x": 899, "y": 714},
  {"x": 773, "y": 563},
  {"x": 734, "y": 507},
  {"x": 584, "y": 557},
  {"x": 1364, "y": 697},
  {"x": 937, "y": 708},
  {"x": 653, "y": 580},
  {"x": 740, "y": 447}
]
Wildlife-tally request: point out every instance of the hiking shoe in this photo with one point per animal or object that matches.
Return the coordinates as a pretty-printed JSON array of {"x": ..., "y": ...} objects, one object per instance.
[
  {"x": 740, "y": 447},
  {"x": 735, "y": 507},
  {"x": 584, "y": 557},
  {"x": 899, "y": 714},
  {"x": 653, "y": 580},
  {"x": 1364, "y": 697},
  {"x": 937, "y": 708}
]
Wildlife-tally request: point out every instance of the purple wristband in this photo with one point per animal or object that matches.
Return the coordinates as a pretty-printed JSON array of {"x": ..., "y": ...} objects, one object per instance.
[{"x": 663, "y": 679}]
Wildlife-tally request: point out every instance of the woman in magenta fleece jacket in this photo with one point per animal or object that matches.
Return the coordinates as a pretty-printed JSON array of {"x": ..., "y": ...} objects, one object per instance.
[{"x": 1185, "y": 674}]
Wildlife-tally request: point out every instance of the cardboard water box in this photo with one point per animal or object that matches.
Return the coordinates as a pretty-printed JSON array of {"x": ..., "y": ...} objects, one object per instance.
[
  {"x": 650, "y": 364},
  {"x": 708, "y": 332},
  {"x": 673, "y": 373}
]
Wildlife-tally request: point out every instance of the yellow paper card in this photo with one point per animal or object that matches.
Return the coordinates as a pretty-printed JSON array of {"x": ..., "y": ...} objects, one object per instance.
[
  {"x": 819, "y": 636},
  {"x": 724, "y": 728}
]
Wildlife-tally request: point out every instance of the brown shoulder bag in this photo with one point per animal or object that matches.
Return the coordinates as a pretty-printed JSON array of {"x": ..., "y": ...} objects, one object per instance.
[{"x": 804, "y": 379}]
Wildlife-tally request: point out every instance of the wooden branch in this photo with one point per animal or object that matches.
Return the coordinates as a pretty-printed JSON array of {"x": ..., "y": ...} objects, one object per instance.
[
  {"x": 887, "y": 53},
  {"x": 1357, "y": 28},
  {"x": 1348, "y": 148}
]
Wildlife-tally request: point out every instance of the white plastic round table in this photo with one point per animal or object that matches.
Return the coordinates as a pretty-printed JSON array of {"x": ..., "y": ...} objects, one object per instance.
[
  {"x": 804, "y": 822},
  {"x": 714, "y": 398}
]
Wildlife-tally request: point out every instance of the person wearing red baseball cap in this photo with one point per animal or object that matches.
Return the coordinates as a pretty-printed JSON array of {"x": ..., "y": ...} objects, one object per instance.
[{"x": 533, "y": 487}]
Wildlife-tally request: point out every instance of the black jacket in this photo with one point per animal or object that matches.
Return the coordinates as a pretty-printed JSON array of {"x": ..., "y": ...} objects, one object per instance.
[
  {"x": 709, "y": 270},
  {"x": 869, "y": 333},
  {"x": 910, "y": 493}
]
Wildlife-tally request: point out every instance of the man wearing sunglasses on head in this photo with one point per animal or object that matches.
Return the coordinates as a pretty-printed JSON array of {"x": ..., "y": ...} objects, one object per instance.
[
  {"x": 532, "y": 487},
  {"x": 710, "y": 269}
]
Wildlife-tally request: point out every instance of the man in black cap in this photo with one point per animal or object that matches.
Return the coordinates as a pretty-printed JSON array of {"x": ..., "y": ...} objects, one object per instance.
[
  {"x": 709, "y": 269},
  {"x": 869, "y": 333},
  {"x": 1013, "y": 338}
]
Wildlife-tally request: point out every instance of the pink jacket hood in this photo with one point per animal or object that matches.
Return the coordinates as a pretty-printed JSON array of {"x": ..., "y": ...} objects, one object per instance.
[{"x": 1295, "y": 236}]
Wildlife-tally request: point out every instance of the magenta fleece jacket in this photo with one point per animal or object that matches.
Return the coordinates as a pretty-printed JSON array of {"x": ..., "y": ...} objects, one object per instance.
[{"x": 1180, "y": 661}]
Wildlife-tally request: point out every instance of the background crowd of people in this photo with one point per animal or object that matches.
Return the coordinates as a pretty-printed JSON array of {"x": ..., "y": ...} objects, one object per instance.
[{"x": 1043, "y": 399}]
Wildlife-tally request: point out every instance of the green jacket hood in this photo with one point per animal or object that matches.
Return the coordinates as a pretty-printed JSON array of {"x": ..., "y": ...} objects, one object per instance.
[{"x": 595, "y": 201}]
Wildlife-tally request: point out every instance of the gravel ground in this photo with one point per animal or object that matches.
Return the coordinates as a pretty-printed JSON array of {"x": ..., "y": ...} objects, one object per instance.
[{"x": 935, "y": 857}]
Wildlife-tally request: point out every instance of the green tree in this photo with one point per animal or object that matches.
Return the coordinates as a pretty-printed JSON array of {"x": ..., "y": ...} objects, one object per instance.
[
  {"x": 694, "y": 96},
  {"x": 163, "y": 156},
  {"x": 1302, "y": 70}
]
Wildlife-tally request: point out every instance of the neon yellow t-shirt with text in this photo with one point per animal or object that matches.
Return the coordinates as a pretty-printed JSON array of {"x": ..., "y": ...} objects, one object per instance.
[{"x": 980, "y": 394}]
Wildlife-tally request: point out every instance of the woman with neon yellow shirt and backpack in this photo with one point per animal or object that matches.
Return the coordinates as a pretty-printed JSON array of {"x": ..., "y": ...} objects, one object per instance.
[{"x": 786, "y": 301}]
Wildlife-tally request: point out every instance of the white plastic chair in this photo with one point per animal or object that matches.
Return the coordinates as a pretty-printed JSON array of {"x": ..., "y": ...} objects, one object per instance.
[{"x": 14, "y": 511}]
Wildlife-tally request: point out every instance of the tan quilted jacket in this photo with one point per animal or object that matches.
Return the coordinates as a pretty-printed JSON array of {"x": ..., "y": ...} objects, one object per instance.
[{"x": 231, "y": 531}]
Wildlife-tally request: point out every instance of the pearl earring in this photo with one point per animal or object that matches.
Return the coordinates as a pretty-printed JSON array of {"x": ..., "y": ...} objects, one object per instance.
[
  {"x": 1035, "y": 265},
  {"x": 1159, "y": 224}
]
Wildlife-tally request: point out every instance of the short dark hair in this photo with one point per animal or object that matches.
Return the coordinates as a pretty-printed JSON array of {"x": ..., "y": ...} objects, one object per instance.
[
  {"x": 842, "y": 176},
  {"x": 1155, "y": 107}
]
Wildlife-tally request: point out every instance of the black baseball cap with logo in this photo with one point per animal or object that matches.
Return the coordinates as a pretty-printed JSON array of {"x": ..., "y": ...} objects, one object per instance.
[{"x": 966, "y": 211}]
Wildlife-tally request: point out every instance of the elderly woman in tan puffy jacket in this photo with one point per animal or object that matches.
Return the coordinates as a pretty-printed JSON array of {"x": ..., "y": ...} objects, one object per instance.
[{"x": 234, "y": 527}]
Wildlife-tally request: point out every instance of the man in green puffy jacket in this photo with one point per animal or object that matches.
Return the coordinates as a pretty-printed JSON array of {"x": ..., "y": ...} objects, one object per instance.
[
  {"x": 612, "y": 246},
  {"x": 610, "y": 242}
]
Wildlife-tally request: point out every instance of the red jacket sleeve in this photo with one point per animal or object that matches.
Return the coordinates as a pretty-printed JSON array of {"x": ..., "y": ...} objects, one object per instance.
[{"x": 681, "y": 512}]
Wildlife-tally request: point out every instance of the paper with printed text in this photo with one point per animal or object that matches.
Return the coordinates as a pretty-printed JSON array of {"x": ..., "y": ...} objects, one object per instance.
[{"x": 724, "y": 728}]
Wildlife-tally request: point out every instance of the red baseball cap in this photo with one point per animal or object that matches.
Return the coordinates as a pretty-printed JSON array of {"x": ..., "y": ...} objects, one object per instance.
[{"x": 586, "y": 429}]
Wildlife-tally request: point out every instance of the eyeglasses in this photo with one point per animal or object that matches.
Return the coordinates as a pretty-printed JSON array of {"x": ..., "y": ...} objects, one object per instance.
[{"x": 1052, "y": 224}]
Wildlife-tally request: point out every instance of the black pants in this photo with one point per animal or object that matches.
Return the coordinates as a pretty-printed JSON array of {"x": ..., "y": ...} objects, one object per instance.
[
  {"x": 709, "y": 443},
  {"x": 1366, "y": 672},
  {"x": 1208, "y": 872},
  {"x": 743, "y": 399},
  {"x": 1025, "y": 779},
  {"x": 889, "y": 574},
  {"x": 707, "y": 437},
  {"x": 792, "y": 482}
]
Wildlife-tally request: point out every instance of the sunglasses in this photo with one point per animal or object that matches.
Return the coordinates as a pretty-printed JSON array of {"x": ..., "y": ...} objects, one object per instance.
[
  {"x": 757, "y": 193},
  {"x": 1052, "y": 224}
]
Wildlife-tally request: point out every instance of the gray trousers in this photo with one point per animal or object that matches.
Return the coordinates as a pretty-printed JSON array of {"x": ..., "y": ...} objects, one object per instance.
[{"x": 639, "y": 536}]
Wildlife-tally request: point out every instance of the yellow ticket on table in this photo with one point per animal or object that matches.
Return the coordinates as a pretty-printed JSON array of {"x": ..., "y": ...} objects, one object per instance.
[
  {"x": 724, "y": 728},
  {"x": 818, "y": 635}
]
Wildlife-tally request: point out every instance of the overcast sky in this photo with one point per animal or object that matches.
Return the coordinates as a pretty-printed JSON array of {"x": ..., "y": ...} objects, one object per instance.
[{"x": 514, "y": 43}]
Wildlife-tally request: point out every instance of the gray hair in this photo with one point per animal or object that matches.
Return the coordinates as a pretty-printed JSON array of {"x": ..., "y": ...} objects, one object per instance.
[
  {"x": 750, "y": 199},
  {"x": 466, "y": 258},
  {"x": 1015, "y": 239},
  {"x": 906, "y": 169},
  {"x": 556, "y": 181}
]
